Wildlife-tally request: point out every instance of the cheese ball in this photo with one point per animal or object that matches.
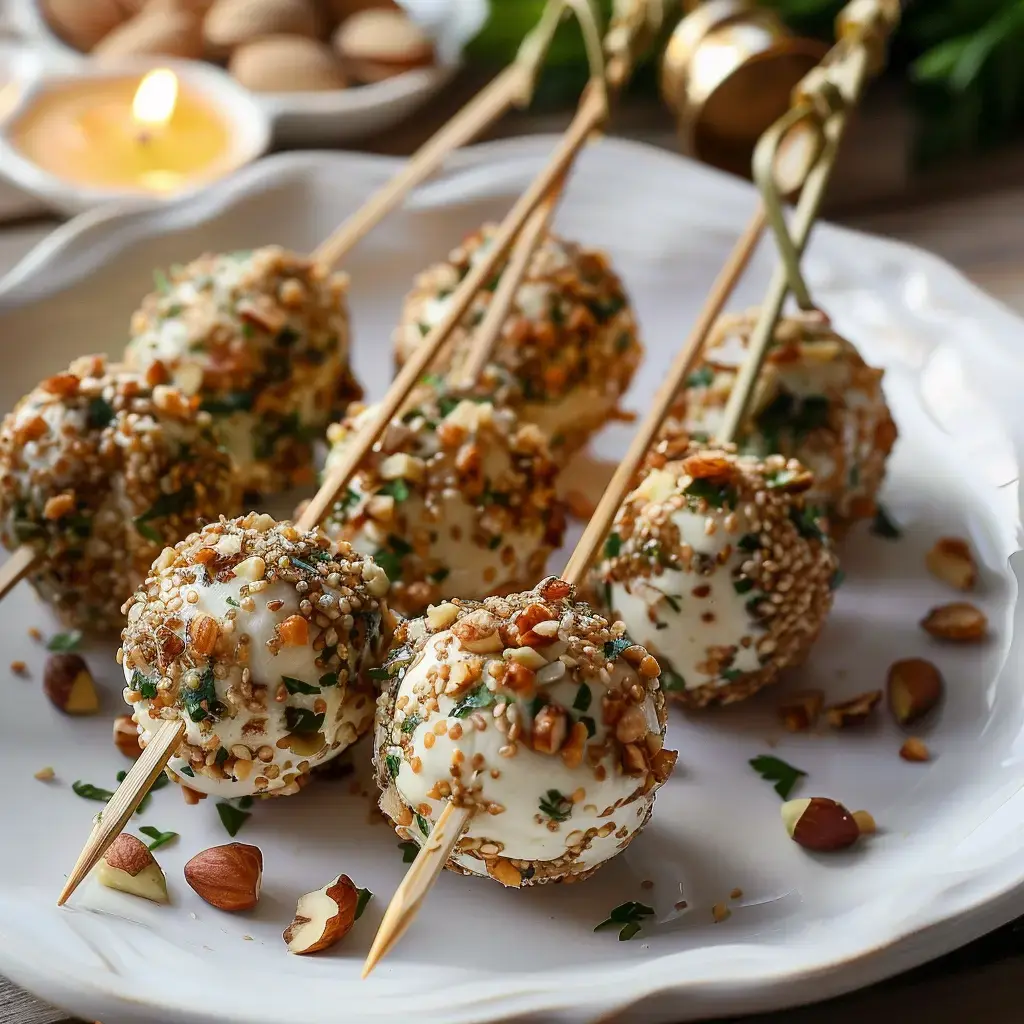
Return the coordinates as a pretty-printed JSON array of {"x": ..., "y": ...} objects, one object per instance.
[
  {"x": 99, "y": 472},
  {"x": 816, "y": 400},
  {"x": 457, "y": 498},
  {"x": 536, "y": 712},
  {"x": 260, "y": 638},
  {"x": 718, "y": 564},
  {"x": 568, "y": 349},
  {"x": 262, "y": 337}
]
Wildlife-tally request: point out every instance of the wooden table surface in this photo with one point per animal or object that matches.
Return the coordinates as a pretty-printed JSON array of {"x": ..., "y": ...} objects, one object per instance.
[{"x": 971, "y": 214}]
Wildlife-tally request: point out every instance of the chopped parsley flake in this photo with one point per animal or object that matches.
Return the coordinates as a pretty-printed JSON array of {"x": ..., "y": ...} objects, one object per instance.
[
  {"x": 671, "y": 681},
  {"x": 612, "y": 545},
  {"x": 555, "y": 805},
  {"x": 613, "y": 648},
  {"x": 231, "y": 601},
  {"x": 701, "y": 378},
  {"x": 590, "y": 724},
  {"x": 159, "y": 838},
  {"x": 749, "y": 542},
  {"x": 422, "y": 824},
  {"x": 302, "y": 720},
  {"x": 885, "y": 526},
  {"x": 411, "y": 722},
  {"x": 364, "y": 896},
  {"x": 393, "y": 762},
  {"x": 161, "y": 281},
  {"x": 743, "y": 585},
  {"x": 232, "y": 818},
  {"x": 410, "y": 851},
  {"x": 328, "y": 679},
  {"x": 716, "y": 495},
  {"x": 166, "y": 505},
  {"x": 293, "y": 685},
  {"x": 583, "y": 698},
  {"x": 397, "y": 489},
  {"x": 627, "y": 917},
  {"x": 785, "y": 776},
  {"x": 87, "y": 791},
  {"x": 63, "y": 642},
  {"x": 481, "y": 697},
  {"x": 806, "y": 522},
  {"x": 100, "y": 413},
  {"x": 201, "y": 702}
]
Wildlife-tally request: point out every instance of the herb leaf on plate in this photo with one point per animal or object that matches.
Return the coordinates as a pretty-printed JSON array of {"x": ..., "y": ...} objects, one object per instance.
[{"x": 772, "y": 769}]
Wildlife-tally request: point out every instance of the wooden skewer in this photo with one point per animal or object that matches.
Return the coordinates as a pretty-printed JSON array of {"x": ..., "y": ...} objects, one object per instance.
[
  {"x": 433, "y": 855},
  {"x": 486, "y": 335},
  {"x": 16, "y": 567},
  {"x": 123, "y": 804},
  {"x": 484, "y": 109},
  {"x": 591, "y": 113}
]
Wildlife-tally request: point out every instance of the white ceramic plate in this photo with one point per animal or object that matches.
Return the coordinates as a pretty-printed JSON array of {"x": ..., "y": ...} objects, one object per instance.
[
  {"x": 313, "y": 118},
  {"x": 949, "y": 860}
]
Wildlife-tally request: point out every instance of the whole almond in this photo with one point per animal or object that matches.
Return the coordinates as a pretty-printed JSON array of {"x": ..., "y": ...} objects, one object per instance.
[
  {"x": 286, "y": 64},
  {"x": 960, "y": 622},
  {"x": 231, "y": 23},
  {"x": 83, "y": 25},
  {"x": 913, "y": 688},
  {"x": 379, "y": 43},
  {"x": 227, "y": 877},
  {"x": 169, "y": 33},
  {"x": 951, "y": 561}
]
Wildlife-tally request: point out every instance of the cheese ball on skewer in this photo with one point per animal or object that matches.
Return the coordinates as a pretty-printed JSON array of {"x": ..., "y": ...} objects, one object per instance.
[
  {"x": 538, "y": 713},
  {"x": 457, "y": 497},
  {"x": 261, "y": 639},
  {"x": 99, "y": 472},
  {"x": 816, "y": 400},
  {"x": 568, "y": 350},
  {"x": 718, "y": 564},
  {"x": 262, "y": 338}
]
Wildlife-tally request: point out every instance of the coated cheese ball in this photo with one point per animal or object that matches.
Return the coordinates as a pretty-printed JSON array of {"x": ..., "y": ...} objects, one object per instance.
[
  {"x": 720, "y": 567},
  {"x": 98, "y": 472},
  {"x": 816, "y": 401},
  {"x": 261, "y": 639},
  {"x": 536, "y": 712},
  {"x": 262, "y": 338},
  {"x": 456, "y": 498},
  {"x": 568, "y": 349}
]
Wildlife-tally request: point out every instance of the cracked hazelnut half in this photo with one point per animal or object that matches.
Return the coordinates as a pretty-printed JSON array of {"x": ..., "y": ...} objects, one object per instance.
[
  {"x": 323, "y": 917},
  {"x": 129, "y": 867},
  {"x": 913, "y": 688},
  {"x": 960, "y": 622},
  {"x": 951, "y": 561},
  {"x": 818, "y": 823},
  {"x": 855, "y": 711},
  {"x": 227, "y": 877}
]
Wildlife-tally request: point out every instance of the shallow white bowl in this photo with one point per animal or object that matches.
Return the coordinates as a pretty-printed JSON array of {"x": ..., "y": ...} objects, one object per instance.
[{"x": 948, "y": 862}]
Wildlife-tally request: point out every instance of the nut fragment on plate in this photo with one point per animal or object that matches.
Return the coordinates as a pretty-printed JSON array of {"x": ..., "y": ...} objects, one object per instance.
[
  {"x": 800, "y": 711},
  {"x": 855, "y": 711},
  {"x": 951, "y": 561},
  {"x": 820, "y": 824},
  {"x": 323, "y": 917},
  {"x": 913, "y": 688},
  {"x": 45, "y": 774},
  {"x": 960, "y": 622},
  {"x": 227, "y": 877},
  {"x": 129, "y": 867},
  {"x": 126, "y": 737},
  {"x": 68, "y": 683},
  {"x": 914, "y": 750},
  {"x": 379, "y": 43},
  {"x": 865, "y": 822}
]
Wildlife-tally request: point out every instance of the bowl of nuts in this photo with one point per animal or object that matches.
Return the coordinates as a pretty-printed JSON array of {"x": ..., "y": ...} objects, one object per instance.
[{"x": 326, "y": 70}]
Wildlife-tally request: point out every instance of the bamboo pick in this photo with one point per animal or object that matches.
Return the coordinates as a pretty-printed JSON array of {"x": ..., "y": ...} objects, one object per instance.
[
  {"x": 16, "y": 567},
  {"x": 486, "y": 334},
  {"x": 591, "y": 113},
  {"x": 124, "y": 802}
]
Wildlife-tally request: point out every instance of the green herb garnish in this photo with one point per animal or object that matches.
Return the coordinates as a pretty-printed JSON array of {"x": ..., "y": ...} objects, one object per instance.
[
  {"x": 302, "y": 720},
  {"x": 232, "y": 818},
  {"x": 422, "y": 824},
  {"x": 186, "y": 770},
  {"x": 410, "y": 851},
  {"x": 393, "y": 763},
  {"x": 885, "y": 526},
  {"x": 495, "y": 542},
  {"x": 161, "y": 281},
  {"x": 481, "y": 697},
  {"x": 749, "y": 542},
  {"x": 397, "y": 489},
  {"x": 145, "y": 687},
  {"x": 293, "y": 685},
  {"x": 835, "y": 581},
  {"x": 201, "y": 702},
  {"x": 87, "y": 791},
  {"x": 785, "y": 776},
  {"x": 743, "y": 585},
  {"x": 100, "y": 413},
  {"x": 671, "y": 681},
  {"x": 583, "y": 697},
  {"x": 612, "y": 545},
  {"x": 627, "y": 918},
  {"x": 613, "y": 648},
  {"x": 716, "y": 495},
  {"x": 159, "y": 838},
  {"x": 590, "y": 724},
  {"x": 166, "y": 505},
  {"x": 328, "y": 679},
  {"x": 64, "y": 642},
  {"x": 555, "y": 805},
  {"x": 701, "y": 378},
  {"x": 411, "y": 722},
  {"x": 364, "y": 896}
]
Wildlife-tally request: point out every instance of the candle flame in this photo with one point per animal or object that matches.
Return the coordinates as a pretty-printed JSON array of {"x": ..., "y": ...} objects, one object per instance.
[{"x": 155, "y": 98}]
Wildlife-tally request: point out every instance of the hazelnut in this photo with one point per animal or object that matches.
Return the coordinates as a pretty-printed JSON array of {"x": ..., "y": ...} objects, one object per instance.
[
  {"x": 323, "y": 917},
  {"x": 951, "y": 561},
  {"x": 914, "y": 750},
  {"x": 227, "y": 877},
  {"x": 818, "y": 823},
  {"x": 960, "y": 622},
  {"x": 550, "y": 728},
  {"x": 129, "y": 867},
  {"x": 914, "y": 687},
  {"x": 68, "y": 683},
  {"x": 853, "y": 712},
  {"x": 126, "y": 737},
  {"x": 801, "y": 711}
]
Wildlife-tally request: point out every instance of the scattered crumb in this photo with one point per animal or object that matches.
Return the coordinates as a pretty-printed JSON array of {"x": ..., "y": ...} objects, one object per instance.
[
  {"x": 865, "y": 822},
  {"x": 35, "y": 633},
  {"x": 646, "y": 884},
  {"x": 19, "y": 668},
  {"x": 192, "y": 914},
  {"x": 914, "y": 750},
  {"x": 720, "y": 912},
  {"x": 736, "y": 894},
  {"x": 45, "y": 774},
  {"x": 247, "y": 938},
  {"x": 681, "y": 905}
]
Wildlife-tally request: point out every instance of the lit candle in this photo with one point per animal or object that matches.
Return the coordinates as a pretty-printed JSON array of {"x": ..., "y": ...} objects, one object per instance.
[{"x": 116, "y": 134}]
